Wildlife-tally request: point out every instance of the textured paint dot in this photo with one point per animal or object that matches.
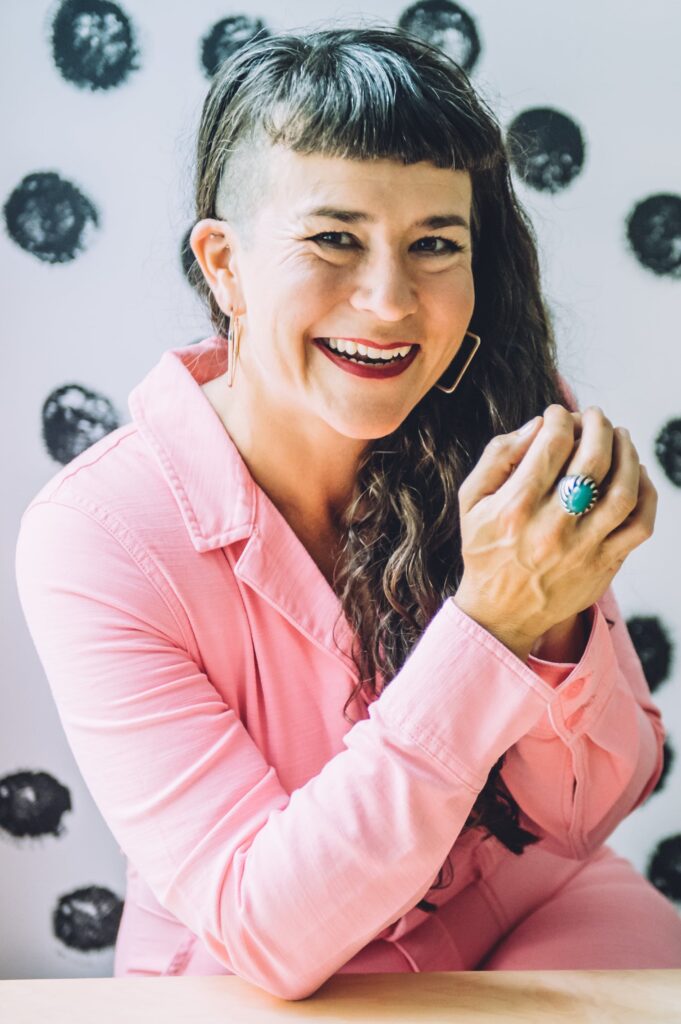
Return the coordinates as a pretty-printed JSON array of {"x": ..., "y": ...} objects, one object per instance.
[
  {"x": 446, "y": 25},
  {"x": 88, "y": 918},
  {"x": 49, "y": 217},
  {"x": 73, "y": 419},
  {"x": 93, "y": 44},
  {"x": 668, "y": 450},
  {"x": 32, "y": 804},
  {"x": 668, "y": 758},
  {"x": 664, "y": 867},
  {"x": 226, "y": 37},
  {"x": 546, "y": 148},
  {"x": 654, "y": 234},
  {"x": 653, "y": 647}
]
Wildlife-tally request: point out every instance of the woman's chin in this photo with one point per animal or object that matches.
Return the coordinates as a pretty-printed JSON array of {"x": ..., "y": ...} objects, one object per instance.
[{"x": 369, "y": 429}]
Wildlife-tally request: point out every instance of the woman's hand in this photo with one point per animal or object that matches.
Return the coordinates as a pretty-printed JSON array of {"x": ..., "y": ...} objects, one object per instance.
[{"x": 528, "y": 564}]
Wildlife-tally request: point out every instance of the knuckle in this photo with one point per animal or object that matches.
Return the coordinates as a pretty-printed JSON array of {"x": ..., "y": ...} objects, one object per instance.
[
  {"x": 545, "y": 547},
  {"x": 556, "y": 409},
  {"x": 622, "y": 498},
  {"x": 499, "y": 441},
  {"x": 513, "y": 514},
  {"x": 598, "y": 413},
  {"x": 645, "y": 527}
]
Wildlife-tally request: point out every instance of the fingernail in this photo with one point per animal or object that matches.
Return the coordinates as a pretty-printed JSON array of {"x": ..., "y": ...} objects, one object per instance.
[{"x": 528, "y": 426}]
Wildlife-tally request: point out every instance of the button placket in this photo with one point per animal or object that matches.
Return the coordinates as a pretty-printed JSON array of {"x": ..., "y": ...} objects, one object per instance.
[
  {"x": 575, "y": 688},
  {"x": 575, "y": 718}
]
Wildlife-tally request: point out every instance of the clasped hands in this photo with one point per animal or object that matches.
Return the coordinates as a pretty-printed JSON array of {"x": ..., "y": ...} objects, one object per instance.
[
  {"x": 609, "y": 457},
  {"x": 531, "y": 568}
]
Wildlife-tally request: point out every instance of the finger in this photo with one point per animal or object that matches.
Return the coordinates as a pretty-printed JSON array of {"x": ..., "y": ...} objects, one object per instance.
[
  {"x": 636, "y": 528},
  {"x": 496, "y": 464},
  {"x": 551, "y": 447},
  {"x": 593, "y": 452},
  {"x": 618, "y": 494}
]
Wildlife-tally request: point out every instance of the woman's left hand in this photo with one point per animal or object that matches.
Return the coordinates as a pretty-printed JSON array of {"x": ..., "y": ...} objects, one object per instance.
[{"x": 607, "y": 451}]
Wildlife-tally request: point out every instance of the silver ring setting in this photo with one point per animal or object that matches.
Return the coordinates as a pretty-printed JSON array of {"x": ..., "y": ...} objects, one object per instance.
[{"x": 578, "y": 493}]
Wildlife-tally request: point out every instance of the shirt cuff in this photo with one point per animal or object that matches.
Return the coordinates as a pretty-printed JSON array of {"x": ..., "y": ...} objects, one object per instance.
[
  {"x": 556, "y": 672},
  {"x": 580, "y": 689},
  {"x": 462, "y": 697}
]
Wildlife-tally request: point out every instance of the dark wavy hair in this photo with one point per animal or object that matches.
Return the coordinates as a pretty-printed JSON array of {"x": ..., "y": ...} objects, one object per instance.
[{"x": 375, "y": 92}]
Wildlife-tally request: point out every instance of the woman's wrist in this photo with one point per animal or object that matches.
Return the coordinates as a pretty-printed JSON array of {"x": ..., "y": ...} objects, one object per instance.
[
  {"x": 564, "y": 642},
  {"x": 520, "y": 645}
]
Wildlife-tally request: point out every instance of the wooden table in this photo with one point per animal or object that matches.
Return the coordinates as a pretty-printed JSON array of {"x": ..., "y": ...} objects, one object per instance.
[{"x": 601, "y": 997}]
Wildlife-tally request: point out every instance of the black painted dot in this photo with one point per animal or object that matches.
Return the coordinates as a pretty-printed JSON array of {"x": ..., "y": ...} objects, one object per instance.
[
  {"x": 32, "y": 804},
  {"x": 654, "y": 234},
  {"x": 653, "y": 647},
  {"x": 664, "y": 867},
  {"x": 446, "y": 25},
  {"x": 73, "y": 419},
  {"x": 546, "y": 148},
  {"x": 668, "y": 450},
  {"x": 49, "y": 217},
  {"x": 668, "y": 758},
  {"x": 93, "y": 44},
  {"x": 226, "y": 37},
  {"x": 88, "y": 919}
]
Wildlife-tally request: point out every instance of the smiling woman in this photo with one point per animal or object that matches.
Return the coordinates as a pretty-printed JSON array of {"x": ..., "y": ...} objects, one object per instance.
[
  {"x": 281, "y": 532},
  {"x": 369, "y": 460}
]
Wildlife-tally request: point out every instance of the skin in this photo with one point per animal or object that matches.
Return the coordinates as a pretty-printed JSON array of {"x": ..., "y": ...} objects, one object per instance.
[{"x": 300, "y": 422}]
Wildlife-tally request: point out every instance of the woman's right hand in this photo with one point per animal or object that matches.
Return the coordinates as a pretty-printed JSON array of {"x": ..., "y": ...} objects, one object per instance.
[{"x": 529, "y": 564}]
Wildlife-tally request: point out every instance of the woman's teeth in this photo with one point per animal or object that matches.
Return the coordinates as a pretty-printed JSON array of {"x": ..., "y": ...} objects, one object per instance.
[{"x": 348, "y": 349}]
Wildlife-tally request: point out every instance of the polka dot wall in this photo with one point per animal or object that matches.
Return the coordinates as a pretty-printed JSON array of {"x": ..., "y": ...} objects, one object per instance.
[{"x": 99, "y": 108}]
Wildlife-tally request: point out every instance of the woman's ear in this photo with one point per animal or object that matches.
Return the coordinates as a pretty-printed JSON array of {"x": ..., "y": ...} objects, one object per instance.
[{"x": 213, "y": 244}]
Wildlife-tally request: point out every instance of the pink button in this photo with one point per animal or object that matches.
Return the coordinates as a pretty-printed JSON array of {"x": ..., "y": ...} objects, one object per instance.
[
  {"x": 575, "y": 688},
  {"x": 574, "y": 718}
]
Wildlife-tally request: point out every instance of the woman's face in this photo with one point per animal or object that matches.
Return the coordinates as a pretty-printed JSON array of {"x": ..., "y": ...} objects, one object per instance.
[{"x": 373, "y": 274}]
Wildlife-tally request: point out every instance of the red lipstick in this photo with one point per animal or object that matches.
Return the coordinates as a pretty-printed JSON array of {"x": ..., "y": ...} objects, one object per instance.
[{"x": 374, "y": 372}]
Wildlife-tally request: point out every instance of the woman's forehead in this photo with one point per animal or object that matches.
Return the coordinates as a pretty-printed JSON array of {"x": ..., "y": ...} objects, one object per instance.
[{"x": 310, "y": 183}]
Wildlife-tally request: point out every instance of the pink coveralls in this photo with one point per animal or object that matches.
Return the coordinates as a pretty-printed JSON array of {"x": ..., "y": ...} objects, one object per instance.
[{"x": 187, "y": 636}]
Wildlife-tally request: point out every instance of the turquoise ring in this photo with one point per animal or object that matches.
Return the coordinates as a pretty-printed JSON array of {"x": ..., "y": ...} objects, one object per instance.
[{"x": 578, "y": 493}]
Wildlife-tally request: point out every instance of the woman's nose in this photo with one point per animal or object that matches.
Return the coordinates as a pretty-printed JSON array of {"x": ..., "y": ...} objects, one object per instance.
[{"x": 385, "y": 286}]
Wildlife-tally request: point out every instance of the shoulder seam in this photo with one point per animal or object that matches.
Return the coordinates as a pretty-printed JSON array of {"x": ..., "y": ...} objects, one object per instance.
[
  {"x": 115, "y": 528},
  {"x": 124, "y": 435}
]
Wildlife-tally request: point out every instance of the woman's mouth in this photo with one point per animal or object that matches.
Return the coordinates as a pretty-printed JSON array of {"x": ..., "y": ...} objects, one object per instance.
[{"x": 363, "y": 365}]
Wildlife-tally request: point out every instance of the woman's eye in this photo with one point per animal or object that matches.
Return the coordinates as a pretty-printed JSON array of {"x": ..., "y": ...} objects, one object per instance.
[
  {"x": 450, "y": 246},
  {"x": 330, "y": 234}
]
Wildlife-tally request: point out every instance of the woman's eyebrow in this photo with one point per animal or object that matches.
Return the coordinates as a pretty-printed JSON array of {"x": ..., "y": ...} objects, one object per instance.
[{"x": 442, "y": 220}]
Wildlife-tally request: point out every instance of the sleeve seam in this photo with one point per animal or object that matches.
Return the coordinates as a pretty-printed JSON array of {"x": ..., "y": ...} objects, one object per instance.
[{"x": 474, "y": 786}]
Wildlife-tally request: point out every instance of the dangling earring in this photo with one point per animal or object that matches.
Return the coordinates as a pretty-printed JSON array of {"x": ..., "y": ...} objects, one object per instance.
[
  {"x": 474, "y": 349},
  {"x": 232, "y": 346}
]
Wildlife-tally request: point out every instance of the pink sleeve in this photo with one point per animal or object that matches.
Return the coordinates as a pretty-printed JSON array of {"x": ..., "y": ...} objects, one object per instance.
[
  {"x": 282, "y": 888},
  {"x": 597, "y": 752}
]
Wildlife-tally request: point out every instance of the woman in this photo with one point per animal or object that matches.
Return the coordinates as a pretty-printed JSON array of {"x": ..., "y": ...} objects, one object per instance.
[{"x": 281, "y": 533}]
